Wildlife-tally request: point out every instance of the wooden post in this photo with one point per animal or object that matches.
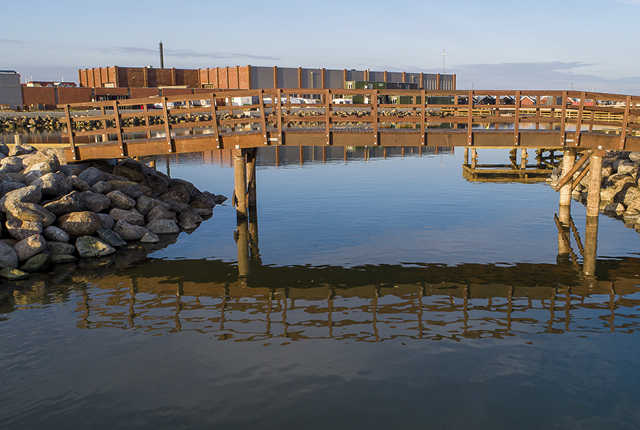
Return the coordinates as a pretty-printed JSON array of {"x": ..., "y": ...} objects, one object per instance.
[
  {"x": 327, "y": 117},
  {"x": 243, "y": 248},
  {"x": 595, "y": 181},
  {"x": 263, "y": 121},
  {"x": 116, "y": 115},
  {"x": 423, "y": 117},
  {"x": 240, "y": 183},
  {"x": 167, "y": 124},
  {"x": 474, "y": 158},
  {"x": 563, "y": 120},
  {"x": 299, "y": 77},
  {"x": 214, "y": 120},
  {"x": 524, "y": 155},
  {"x": 568, "y": 160},
  {"x": 437, "y": 81},
  {"x": 469, "y": 118},
  {"x": 251, "y": 180},
  {"x": 17, "y": 139},
  {"x": 105, "y": 135},
  {"x": 279, "y": 119},
  {"x": 323, "y": 78},
  {"x": 374, "y": 114},
  {"x": 516, "y": 121},
  {"x": 579, "y": 121},
  {"x": 625, "y": 123},
  {"x": 275, "y": 76},
  {"x": 564, "y": 248},
  {"x": 146, "y": 121}
]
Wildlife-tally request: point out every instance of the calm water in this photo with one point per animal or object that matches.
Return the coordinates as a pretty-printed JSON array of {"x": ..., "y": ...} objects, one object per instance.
[{"x": 379, "y": 292}]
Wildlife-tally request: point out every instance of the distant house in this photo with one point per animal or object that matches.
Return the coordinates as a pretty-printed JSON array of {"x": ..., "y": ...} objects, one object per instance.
[
  {"x": 51, "y": 84},
  {"x": 528, "y": 101},
  {"x": 487, "y": 100}
]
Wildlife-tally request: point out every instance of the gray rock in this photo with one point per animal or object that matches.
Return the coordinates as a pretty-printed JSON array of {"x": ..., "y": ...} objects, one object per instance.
[
  {"x": 102, "y": 187},
  {"x": 158, "y": 182},
  {"x": 4, "y": 149},
  {"x": 30, "y": 246},
  {"x": 63, "y": 259},
  {"x": 202, "y": 201},
  {"x": 9, "y": 185},
  {"x": 131, "y": 216},
  {"x": 145, "y": 203},
  {"x": 30, "y": 194},
  {"x": 163, "y": 226},
  {"x": 204, "y": 213},
  {"x": 8, "y": 256},
  {"x": 626, "y": 167},
  {"x": 132, "y": 189},
  {"x": 56, "y": 248},
  {"x": 634, "y": 156},
  {"x": 91, "y": 175},
  {"x": 10, "y": 164},
  {"x": 29, "y": 212},
  {"x": 130, "y": 169},
  {"x": 89, "y": 247},
  {"x": 13, "y": 274},
  {"x": 111, "y": 237},
  {"x": 79, "y": 223},
  {"x": 177, "y": 193},
  {"x": 95, "y": 202},
  {"x": 189, "y": 219},
  {"x": 21, "y": 150},
  {"x": 20, "y": 230},
  {"x": 129, "y": 231},
  {"x": 78, "y": 184},
  {"x": 68, "y": 203},
  {"x": 160, "y": 212},
  {"x": 121, "y": 200},
  {"x": 106, "y": 220},
  {"x": 53, "y": 184},
  {"x": 184, "y": 185},
  {"x": 55, "y": 234},
  {"x": 217, "y": 198},
  {"x": 150, "y": 237},
  {"x": 37, "y": 263}
]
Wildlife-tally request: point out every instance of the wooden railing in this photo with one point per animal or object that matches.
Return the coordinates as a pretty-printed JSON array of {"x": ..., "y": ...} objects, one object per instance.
[{"x": 270, "y": 114}]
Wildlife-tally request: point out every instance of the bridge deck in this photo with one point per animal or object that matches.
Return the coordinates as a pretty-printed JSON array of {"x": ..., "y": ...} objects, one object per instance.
[{"x": 255, "y": 118}]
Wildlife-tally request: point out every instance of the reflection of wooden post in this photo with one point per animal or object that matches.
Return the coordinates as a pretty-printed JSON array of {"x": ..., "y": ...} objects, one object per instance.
[
  {"x": 563, "y": 247},
  {"x": 240, "y": 183},
  {"x": 590, "y": 246},
  {"x": 466, "y": 155},
  {"x": 523, "y": 159},
  {"x": 595, "y": 180},
  {"x": 474, "y": 158},
  {"x": 243, "y": 249},
  {"x": 568, "y": 160}
]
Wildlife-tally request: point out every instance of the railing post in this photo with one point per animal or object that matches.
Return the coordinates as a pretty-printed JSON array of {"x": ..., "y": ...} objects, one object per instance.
[
  {"x": 625, "y": 124},
  {"x": 579, "y": 121},
  {"x": 423, "y": 117},
  {"x": 72, "y": 143},
  {"x": 116, "y": 116},
  {"x": 469, "y": 118},
  {"x": 563, "y": 119},
  {"x": 214, "y": 120},
  {"x": 516, "y": 121},
  {"x": 263, "y": 121},
  {"x": 105, "y": 135},
  {"x": 374, "y": 114},
  {"x": 279, "y": 113},
  {"x": 146, "y": 119},
  {"x": 167, "y": 124},
  {"x": 327, "y": 116}
]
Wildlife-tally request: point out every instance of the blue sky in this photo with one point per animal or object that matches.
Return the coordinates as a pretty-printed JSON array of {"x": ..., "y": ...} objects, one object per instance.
[{"x": 586, "y": 44}]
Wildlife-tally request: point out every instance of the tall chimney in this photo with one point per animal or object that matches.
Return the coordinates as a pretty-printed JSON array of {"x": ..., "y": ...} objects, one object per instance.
[{"x": 161, "y": 56}]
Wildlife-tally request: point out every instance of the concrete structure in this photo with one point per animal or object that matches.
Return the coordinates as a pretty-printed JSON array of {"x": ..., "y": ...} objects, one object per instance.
[
  {"x": 252, "y": 77},
  {"x": 10, "y": 93}
]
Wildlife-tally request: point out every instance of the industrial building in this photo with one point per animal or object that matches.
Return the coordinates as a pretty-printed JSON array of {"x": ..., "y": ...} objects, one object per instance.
[
  {"x": 252, "y": 77},
  {"x": 10, "y": 90}
]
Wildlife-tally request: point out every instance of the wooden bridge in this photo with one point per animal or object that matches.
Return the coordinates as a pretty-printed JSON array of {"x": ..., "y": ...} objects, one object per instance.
[{"x": 575, "y": 122}]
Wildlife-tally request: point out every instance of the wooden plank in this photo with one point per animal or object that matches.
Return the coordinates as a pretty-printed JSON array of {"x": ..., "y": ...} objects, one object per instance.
[
  {"x": 121, "y": 143},
  {"x": 70, "y": 133},
  {"x": 566, "y": 178}
]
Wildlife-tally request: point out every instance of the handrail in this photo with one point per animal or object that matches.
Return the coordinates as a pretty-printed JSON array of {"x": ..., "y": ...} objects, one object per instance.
[{"x": 368, "y": 110}]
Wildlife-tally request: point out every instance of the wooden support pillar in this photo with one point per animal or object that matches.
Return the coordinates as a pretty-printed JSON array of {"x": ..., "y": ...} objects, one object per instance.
[
  {"x": 240, "y": 183},
  {"x": 466, "y": 155},
  {"x": 243, "y": 248},
  {"x": 474, "y": 158},
  {"x": 595, "y": 181},
  {"x": 251, "y": 180},
  {"x": 17, "y": 139},
  {"x": 590, "y": 246},
  {"x": 568, "y": 160},
  {"x": 564, "y": 248},
  {"x": 524, "y": 155}
]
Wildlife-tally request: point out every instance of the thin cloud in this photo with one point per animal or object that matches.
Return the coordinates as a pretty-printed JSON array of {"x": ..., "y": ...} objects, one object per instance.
[
  {"x": 11, "y": 42},
  {"x": 189, "y": 53}
]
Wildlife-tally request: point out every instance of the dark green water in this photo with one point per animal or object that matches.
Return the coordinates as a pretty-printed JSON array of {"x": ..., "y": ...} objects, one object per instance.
[{"x": 380, "y": 293}]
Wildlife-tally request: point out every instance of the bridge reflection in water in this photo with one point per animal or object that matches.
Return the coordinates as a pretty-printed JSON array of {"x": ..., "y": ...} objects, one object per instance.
[{"x": 249, "y": 301}]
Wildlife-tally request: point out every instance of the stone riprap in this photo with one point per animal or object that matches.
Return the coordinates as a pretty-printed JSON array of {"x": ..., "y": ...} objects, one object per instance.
[
  {"x": 620, "y": 189},
  {"x": 51, "y": 213}
]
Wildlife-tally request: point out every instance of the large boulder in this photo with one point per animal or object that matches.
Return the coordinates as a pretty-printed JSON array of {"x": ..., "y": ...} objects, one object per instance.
[
  {"x": 21, "y": 150},
  {"x": 62, "y": 258},
  {"x": 30, "y": 246},
  {"x": 10, "y": 164},
  {"x": 635, "y": 157},
  {"x": 102, "y": 187},
  {"x": 163, "y": 226},
  {"x": 121, "y": 200},
  {"x": 8, "y": 256},
  {"x": 160, "y": 212},
  {"x": 55, "y": 234},
  {"x": 203, "y": 201},
  {"x": 44, "y": 161},
  {"x": 37, "y": 263},
  {"x": 111, "y": 237},
  {"x": 30, "y": 194},
  {"x": 89, "y": 247},
  {"x": 53, "y": 184},
  {"x": 106, "y": 220},
  {"x": 68, "y": 203},
  {"x": 9, "y": 185},
  {"x": 29, "y": 212},
  {"x": 177, "y": 193},
  {"x": 20, "y": 230},
  {"x": 131, "y": 216},
  {"x": 150, "y": 237},
  {"x": 145, "y": 203},
  {"x": 130, "y": 188},
  {"x": 95, "y": 202},
  {"x": 79, "y": 223},
  {"x": 129, "y": 231},
  {"x": 189, "y": 219},
  {"x": 78, "y": 184},
  {"x": 129, "y": 169},
  {"x": 56, "y": 248},
  {"x": 91, "y": 175}
]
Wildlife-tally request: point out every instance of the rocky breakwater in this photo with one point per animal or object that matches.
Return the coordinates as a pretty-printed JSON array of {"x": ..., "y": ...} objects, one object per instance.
[
  {"x": 55, "y": 214},
  {"x": 620, "y": 190}
]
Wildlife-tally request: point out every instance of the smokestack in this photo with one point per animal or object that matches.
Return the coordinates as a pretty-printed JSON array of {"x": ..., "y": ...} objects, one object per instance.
[{"x": 161, "y": 56}]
